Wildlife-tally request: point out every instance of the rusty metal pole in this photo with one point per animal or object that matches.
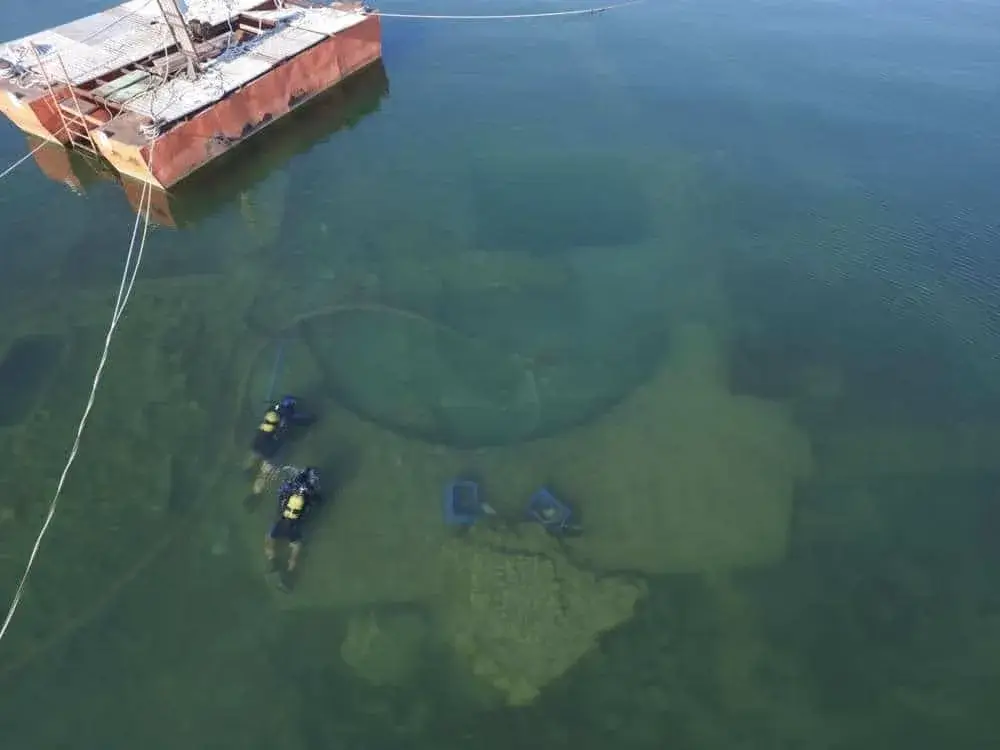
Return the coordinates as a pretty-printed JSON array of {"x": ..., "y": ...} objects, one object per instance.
[{"x": 174, "y": 19}]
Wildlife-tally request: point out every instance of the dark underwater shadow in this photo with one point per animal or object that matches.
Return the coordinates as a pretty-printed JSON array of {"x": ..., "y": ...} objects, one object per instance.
[
  {"x": 241, "y": 168},
  {"x": 95, "y": 259},
  {"x": 436, "y": 428},
  {"x": 25, "y": 370},
  {"x": 830, "y": 285},
  {"x": 238, "y": 170}
]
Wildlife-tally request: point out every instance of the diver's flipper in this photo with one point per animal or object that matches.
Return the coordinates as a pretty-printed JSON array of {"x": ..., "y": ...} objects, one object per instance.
[
  {"x": 284, "y": 582},
  {"x": 274, "y": 578}
]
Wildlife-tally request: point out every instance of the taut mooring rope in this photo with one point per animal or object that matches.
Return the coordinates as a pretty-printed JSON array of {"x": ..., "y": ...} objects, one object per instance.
[{"x": 509, "y": 16}]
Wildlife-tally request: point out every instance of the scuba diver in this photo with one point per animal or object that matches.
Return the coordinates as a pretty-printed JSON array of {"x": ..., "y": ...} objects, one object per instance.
[
  {"x": 271, "y": 434},
  {"x": 295, "y": 500}
]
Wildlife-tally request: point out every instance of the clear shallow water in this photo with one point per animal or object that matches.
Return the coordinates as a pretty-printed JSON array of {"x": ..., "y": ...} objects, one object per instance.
[{"x": 814, "y": 182}]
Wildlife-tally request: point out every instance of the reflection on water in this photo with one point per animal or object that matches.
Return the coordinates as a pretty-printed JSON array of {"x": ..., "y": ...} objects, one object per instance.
[
  {"x": 742, "y": 346},
  {"x": 238, "y": 170}
]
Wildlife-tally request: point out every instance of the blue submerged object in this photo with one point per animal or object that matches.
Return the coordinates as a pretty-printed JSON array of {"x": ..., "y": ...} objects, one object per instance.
[
  {"x": 554, "y": 515},
  {"x": 462, "y": 505}
]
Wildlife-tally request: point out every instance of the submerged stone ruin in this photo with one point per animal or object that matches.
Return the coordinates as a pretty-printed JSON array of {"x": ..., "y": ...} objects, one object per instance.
[
  {"x": 680, "y": 476},
  {"x": 519, "y": 613},
  {"x": 512, "y": 608},
  {"x": 683, "y": 476}
]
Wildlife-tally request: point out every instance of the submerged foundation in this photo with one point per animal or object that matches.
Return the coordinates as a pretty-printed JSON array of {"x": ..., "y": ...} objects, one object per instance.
[{"x": 158, "y": 97}]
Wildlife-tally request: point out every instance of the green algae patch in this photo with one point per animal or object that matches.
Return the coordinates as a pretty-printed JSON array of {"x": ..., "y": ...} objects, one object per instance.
[
  {"x": 508, "y": 603},
  {"x": 385, "y": 648},
  {"x": 684, "y": 475},
  {"x": 520, "y": 614}
]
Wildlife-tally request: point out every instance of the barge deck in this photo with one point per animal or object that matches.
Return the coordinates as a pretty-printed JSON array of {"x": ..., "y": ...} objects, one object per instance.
[{"x": 159, "y": 92}]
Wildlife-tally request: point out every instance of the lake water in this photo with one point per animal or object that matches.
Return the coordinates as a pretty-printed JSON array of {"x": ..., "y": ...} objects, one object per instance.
[{"x": 721, "y": 274}]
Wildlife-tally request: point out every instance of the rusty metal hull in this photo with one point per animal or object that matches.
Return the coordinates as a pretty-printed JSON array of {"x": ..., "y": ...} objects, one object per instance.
[
  {"x": 34, "y": 112},
  {"x": 233, "y": 174},
  {"x": 191, "y": 144},
  {"x": 340, "y": 107}
]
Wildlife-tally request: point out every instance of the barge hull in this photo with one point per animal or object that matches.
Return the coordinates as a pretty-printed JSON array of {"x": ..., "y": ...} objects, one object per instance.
[
  {"x": 34, "y": 113},
  {"x": 189, "y": 145}
]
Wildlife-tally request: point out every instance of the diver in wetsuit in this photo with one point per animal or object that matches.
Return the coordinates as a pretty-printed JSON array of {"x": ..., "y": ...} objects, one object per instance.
[
  {"x": 295, "y": 500},
  {"x": 272, "y": 433}
]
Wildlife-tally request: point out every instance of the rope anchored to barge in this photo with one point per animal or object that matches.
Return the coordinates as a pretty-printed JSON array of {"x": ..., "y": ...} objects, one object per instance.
[
  {"x": 125, "y": 287},
  {"x": 27, "y": 156},
  {"x": 509, "y": 16}
]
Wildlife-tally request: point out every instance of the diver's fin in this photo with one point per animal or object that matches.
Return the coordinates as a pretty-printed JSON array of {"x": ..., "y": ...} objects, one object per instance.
[
  {"x": 276, "y": 579},
  {"x": 284, "y": 583}
]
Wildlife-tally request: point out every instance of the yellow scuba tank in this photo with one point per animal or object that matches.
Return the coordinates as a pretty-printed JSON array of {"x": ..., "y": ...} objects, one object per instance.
[
  {"x": 271, "y": 422},
  {"x": 294, "y": 506}
]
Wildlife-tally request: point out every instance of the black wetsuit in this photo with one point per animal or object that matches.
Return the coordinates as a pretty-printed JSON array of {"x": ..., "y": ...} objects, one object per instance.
[
  {"x": 273, "y": 429},
  {"x": 292, "y": 514}
]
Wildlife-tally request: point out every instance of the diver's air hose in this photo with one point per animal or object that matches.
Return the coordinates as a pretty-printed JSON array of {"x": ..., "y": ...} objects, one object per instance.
[{"x": 275, "y": 370}]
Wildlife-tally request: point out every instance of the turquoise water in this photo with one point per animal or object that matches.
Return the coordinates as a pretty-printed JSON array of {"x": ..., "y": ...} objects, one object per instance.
[{"x": 723, "y": 274}]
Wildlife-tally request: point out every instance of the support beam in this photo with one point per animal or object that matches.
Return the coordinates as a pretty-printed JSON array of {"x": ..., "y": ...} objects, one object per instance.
[{"x": 178, "y": 28}]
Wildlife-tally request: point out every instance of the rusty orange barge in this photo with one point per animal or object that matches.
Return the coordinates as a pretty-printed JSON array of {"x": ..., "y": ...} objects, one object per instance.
[{"x": 159, "y": 92}]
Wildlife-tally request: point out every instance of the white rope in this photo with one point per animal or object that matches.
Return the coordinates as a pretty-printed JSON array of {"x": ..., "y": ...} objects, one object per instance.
[
  {"x": 551, "y": 14},
  {"x": 127, "y": 283},
  {"x": 43, "y": 144},
  {"x": 26, "y": 71},
  {"x": 142, "y": 243},
  {"x": 23, "y": 72},
  {"x": 23, "y": 159},
  {"x": 28, "y": 155},
  {"x": 153, "y": 131},
  {"x": 124, "y": 292},
  {"x": 125, "y": 287},
  {"x": 149, "y": 132}
]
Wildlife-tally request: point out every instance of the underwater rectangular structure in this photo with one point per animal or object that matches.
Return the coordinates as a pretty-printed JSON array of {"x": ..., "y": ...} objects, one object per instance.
[{"x": 159, "y": 98}]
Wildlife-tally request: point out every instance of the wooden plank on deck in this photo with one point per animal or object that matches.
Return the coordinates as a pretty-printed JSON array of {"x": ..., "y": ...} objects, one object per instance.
[
  {"x": 122, "y": 96},
  {"x": 105, "y": 91}
]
